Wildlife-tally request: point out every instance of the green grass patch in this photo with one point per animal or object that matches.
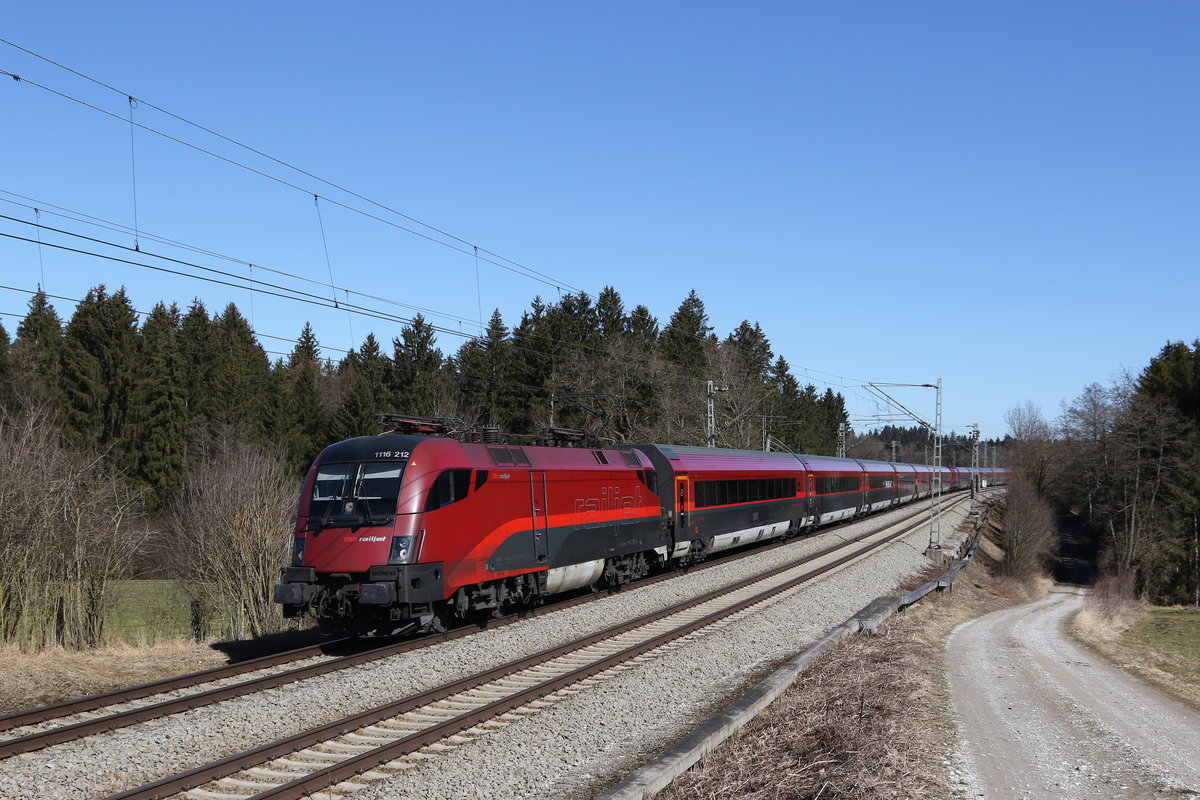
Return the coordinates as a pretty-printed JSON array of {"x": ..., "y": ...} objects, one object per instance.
[
  {"x": 150, "y": 611},
  {"x": 1162, "y": 646},
  {"x": 1171, "y": 637}
]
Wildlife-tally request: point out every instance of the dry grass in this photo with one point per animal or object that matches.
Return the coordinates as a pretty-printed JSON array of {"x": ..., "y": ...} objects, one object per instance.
[
  {"x": 870, "y": 720},
  {"x": 1105, "y": 618},
  {"x": 56, "y": 674},
  {"x": 1161, "y": 645}
]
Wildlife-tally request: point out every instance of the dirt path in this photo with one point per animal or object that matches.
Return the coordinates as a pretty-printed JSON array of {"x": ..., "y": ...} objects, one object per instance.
[{"x": 1043, "y": 718}]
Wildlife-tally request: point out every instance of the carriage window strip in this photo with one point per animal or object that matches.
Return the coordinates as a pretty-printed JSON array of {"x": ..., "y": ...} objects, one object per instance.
[
  {"x": 751, "y": 490},
  {"x": 838, "y": 484}
]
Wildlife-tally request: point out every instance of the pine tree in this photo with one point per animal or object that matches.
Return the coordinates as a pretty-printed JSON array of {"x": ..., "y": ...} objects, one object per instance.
[
  {"x": 643, "y": 328},
  {"x": 5, "y": 367},
  {"x": 158, "y": 425},
  {"x": 1175, "y": 374},
  {"x": 97, "y": 369},
  {"x": 307, "y": 347},
  {"x": 752, "y": 349},
  {"x": 831, "y": 414},
  {"x": 240, "y": 382},
  {"x": 810, "y": 436},
  {"x": 685, "y": 340},
  {"x": 1173, "y": 378},
  {"x": 417, "y": 381},
  {"x": 783, "y": 405},
  {"x": 368, "y": 395},
  {"x": 37, "y": 352},
  {"x": 199, "y": 363},
  {"x": 610, "y": 311},
  {"x": 484, "y": 369},
  {"x": 306, "y": 428}
]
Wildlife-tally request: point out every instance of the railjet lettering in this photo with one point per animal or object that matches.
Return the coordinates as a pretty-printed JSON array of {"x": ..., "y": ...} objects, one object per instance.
[{"x": 610, "y": 499}]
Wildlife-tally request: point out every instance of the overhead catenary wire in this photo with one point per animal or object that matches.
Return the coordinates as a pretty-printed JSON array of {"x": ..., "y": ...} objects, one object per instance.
[
  {"x": 529, "y": 272},
  {"x": 116, "y": 227},
  {"x": 474, "y": 251},
  {"x": 267, "y": 288},
  {"x": 283, "y": 163},
  {"x": 547, "y": 280},
  {"x": 523, "y": 271}
]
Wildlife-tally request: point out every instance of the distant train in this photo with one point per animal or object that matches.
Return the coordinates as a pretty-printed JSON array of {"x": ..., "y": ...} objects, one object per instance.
[{"x": 404, "y": 532}]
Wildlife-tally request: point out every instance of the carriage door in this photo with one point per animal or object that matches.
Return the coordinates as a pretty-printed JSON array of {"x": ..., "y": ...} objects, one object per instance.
[
  {"x": 814, "y": 509},
  {"x": 681, "y": 514},
  {"x": 539, "y": 502}
]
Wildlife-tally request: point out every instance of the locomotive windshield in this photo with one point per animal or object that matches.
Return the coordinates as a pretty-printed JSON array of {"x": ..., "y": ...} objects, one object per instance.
[{"x": 355, "y": 494}]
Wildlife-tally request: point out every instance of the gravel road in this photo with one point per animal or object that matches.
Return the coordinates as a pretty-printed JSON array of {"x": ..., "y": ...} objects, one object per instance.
[{"x": 1043, "y": 718}]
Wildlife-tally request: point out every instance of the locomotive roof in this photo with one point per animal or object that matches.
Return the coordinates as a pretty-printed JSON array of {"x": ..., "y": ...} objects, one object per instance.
[
  {"x": 365, "y": 448},
  {"x": 702, "y": 457}
]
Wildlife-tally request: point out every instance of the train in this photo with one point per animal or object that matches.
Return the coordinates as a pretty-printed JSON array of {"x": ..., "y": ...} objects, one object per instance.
[{"x": 422, "y": 526}]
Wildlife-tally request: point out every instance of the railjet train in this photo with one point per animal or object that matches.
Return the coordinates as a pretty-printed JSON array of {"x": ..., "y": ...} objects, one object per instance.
[{"x": 407, "y": 531}]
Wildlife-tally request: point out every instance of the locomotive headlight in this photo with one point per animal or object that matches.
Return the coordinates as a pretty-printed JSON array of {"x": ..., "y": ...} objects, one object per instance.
[
  {"x": 401, "y": 550},
  {"x": 298, "y": 551}
]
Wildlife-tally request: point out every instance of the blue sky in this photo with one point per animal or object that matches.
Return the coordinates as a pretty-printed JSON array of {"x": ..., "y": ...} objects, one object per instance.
[{"x": 1003, "y": 195}]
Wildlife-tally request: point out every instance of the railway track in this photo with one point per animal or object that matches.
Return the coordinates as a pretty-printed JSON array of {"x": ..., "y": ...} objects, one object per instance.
[
  {"x": 35, "y": 729},
  {"x": 341, "y": 757}
]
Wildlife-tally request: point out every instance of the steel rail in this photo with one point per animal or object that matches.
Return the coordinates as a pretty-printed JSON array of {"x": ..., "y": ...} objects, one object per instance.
[
  {"x": 78, "y": 730},
  {"x": 70, "y": 732},
  {"x": 326, "y": 778},
  {"x": 245, "y": 760},
  {"x": 31, "y": 716}
]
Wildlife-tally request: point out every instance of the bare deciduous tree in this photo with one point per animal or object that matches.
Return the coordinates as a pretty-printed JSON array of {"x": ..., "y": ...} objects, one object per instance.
[
  {"x": 1029, "y": 534},
  {"x": 231, "y": 530},
  {"x": 64, "y": 535},
  {"x": 1032, "y": 453}
]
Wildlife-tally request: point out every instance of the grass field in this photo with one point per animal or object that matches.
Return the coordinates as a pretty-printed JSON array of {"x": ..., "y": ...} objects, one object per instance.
[
  {"x": 150, "y": 611},
  {"x": 1161, "y": 645}
]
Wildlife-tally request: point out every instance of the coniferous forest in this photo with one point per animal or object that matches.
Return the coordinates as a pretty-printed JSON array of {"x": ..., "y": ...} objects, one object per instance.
[{"x": 171, "y": 444}]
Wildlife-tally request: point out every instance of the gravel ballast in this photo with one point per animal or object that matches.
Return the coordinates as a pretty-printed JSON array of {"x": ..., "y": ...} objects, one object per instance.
[{"x": 570, "y": 749}]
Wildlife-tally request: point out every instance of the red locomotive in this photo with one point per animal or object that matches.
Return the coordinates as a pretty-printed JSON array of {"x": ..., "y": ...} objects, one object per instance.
[{"x": 405, "y": 532}]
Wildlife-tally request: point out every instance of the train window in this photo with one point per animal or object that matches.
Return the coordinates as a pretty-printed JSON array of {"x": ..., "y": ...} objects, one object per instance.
[
  {"x": 331, "y": 481},
  {"x": 481, "y": 476},
  {"x": 449, "y": 487},
  {"x": 723, "y": 493},
  {"x": 846, "y": 483},
  {"x": 648, "y": 477},
  {"x": 365, "y": 491}
]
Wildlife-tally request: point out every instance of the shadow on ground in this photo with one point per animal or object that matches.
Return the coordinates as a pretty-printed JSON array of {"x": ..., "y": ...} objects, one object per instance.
[
  {"x": 1076, "y": 553},
  {"x": 244, "y": 650}
]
